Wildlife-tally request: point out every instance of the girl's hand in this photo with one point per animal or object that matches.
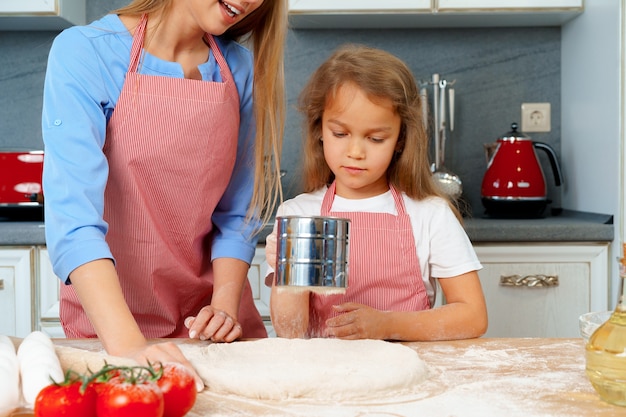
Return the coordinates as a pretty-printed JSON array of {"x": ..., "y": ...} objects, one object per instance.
[
  {"x": 166, "y": 352},
  {"x": 213, "y": 324},
  {"x": 357, "y": 321},
  {"x": 270, "y": 249},
  {"x": 270, "y": 256}
]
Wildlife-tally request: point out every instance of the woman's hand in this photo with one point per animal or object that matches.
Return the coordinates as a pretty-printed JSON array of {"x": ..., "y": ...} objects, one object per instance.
[
  {"x": 164, "y": 353},
  {"x": 100, "y": 293},
  {"x": 357, "y": 321},
  {"x": 213, "y": 324}
]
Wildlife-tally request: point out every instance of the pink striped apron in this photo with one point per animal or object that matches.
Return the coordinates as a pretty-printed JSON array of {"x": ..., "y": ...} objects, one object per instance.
[
  {"x": 384, "y": 270},
  {"x": 171, "y": 146}
]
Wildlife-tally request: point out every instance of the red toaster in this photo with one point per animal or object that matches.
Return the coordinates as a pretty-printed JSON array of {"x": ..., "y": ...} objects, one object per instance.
[{"x": 20, "y": 176}]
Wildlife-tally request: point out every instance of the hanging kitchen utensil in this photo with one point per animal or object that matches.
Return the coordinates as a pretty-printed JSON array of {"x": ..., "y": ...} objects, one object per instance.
[
  {"x": 424, "y": 105},
  {"x": 436, "y": 146},
  {"x": 448, "y": 182},
  {"x": 451, "y": 104}
]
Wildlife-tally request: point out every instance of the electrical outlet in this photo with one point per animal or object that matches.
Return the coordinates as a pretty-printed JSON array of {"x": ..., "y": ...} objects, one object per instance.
[{"x": 535, "y": 117}]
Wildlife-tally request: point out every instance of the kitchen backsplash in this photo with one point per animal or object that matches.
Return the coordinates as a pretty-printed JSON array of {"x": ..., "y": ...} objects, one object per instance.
[{"x": 496, "y": 70}]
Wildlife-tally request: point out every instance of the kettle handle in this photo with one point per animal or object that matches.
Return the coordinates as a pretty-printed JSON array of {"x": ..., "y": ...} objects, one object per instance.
[{"x": 556, "y": 168}]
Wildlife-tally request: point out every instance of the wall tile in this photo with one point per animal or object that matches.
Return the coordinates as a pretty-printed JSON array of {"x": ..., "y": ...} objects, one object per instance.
[{"x": 496, "y": 69}]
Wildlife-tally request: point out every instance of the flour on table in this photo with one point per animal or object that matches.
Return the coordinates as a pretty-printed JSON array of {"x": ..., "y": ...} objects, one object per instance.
[{"x": 315, "y": 369}]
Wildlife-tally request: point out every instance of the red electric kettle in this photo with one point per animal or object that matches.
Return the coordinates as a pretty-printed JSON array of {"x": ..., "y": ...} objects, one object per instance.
[{"x": 514, "y": 185}]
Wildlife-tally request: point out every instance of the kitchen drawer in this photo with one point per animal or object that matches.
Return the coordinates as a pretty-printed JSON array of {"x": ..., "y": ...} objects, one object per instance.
[
  {"x": 16, "y": 295},
  {"x": 48, "y": 305},
  {"x": 260, "y": 292},
  {"x": 541, "y": 290},
  {"x": 321, "y": 14}
]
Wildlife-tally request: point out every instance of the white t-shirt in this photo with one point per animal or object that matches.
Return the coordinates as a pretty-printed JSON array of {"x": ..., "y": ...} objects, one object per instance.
[{"x": 443, "y": 248}]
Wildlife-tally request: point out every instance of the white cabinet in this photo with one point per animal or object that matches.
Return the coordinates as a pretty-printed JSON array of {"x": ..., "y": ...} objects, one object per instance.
[
  {"x": 296, "y": 6},
  {"x": 48, "y": 300},
  {"x": 396, "y": 14},
  {"x": 260, "y": 291},
  {"x": 330, "y": 6},
  {"x": 508, "y": 4},
  {"x": 16, "y": 294},
  {"x": 540, "y": 290},
  {"x": 41, "y": 14},
  {"x": 29, "y": 292}
]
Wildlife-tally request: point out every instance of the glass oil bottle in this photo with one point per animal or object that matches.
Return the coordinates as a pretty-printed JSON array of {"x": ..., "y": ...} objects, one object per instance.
[{"x": 605, "y": 352}]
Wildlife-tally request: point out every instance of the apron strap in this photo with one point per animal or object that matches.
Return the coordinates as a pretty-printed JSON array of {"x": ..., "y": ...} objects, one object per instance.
[{"x": 135, "y": 51}]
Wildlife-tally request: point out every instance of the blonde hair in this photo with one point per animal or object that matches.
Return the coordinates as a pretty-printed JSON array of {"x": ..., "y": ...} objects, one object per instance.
[
  {"x": 266, "y": 28},
  {"x": 381, "y": 76}
]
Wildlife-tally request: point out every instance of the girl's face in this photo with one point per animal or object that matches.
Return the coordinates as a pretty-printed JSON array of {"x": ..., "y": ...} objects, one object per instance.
[
  {"x": 359, "y": 139},
  {"x": 216, "y": 16}
]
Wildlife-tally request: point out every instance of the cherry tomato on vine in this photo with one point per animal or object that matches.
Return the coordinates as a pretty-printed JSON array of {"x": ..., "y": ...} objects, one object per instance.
[
  {"x": 66, "y": 400},
  {"x": 179, "y": 389},
  {"x": 121, "y": 397}
]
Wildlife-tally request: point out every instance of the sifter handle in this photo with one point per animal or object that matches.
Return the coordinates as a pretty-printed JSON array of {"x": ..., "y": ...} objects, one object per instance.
[
  {"x": 424, "y": 104},
  {"x": 451, "y": 105}
]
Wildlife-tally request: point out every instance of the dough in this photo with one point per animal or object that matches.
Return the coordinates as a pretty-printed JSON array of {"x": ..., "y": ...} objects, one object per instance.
[
  {"x": 85, "y": 361},
  {"x": 315, "y": 369}
]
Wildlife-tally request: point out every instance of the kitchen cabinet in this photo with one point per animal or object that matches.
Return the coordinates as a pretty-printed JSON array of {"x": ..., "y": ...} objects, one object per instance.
[
  {"x": 261, "y": 292},
  {"x": 307, "y": 14},
  {"x": 41, "y": 14},
  {"x": 540, "y": 290},
  {"x": 16, "y": 294},
  {"x": 522, "y": 5},
  {"x": 29, "y": 292},
  {"x": 330, "y": 6},
  {"x": 48, "y": 299}
]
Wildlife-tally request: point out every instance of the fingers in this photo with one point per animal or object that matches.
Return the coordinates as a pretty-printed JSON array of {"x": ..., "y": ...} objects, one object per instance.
[
  {"x": 346, "y": 325},
  {"x": 345, "y": 307},
  {"x": 342, "y": 320},
  {"x": 168, "y": 352},
  {"x": 348, "y": 331},
  {"x": 189, "y": 322},
  {"x": 357, "y": 321},
  {"x": 224, "y": 325},
  {"x": 214, "y": 325},
  {"x": 235, "y": 333},
  {"x": 270, "y": 249}
]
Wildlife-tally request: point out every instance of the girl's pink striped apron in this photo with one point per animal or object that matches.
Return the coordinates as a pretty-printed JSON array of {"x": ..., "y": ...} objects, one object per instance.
[
  {"x": 384, "y": 271},
  {"x": 171, "y": 146}
]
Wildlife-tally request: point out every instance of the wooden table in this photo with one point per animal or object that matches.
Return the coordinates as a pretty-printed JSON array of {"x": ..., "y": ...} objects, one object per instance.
[{"x": 523, "y": 377}]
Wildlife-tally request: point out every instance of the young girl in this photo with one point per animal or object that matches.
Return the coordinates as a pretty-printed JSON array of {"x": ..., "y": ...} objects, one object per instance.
[
  {"x": 366, "y": 159},
  {"x": 158, "y": 125}
]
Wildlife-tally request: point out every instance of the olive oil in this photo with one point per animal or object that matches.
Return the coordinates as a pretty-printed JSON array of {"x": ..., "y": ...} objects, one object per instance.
[{"x": 605, "y": 352}]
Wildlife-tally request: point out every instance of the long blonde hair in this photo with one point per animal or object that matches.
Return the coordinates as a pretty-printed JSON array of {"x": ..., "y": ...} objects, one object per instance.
[
  {"x": 266, "y": 28},
  {"x": 381, "y": 76}
]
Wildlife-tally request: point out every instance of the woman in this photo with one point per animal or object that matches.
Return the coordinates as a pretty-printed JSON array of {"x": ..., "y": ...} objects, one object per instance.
[{"x": 157, "y": 127}]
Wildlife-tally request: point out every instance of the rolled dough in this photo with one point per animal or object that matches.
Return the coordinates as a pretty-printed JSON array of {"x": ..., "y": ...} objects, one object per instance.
[{"x": 315, "y": 369}]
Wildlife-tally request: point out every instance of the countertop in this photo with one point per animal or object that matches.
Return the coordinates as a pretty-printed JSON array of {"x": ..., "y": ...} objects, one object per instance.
[
  {"x": 569, "y": 226},
  {"x": 525, "y": 377}
]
